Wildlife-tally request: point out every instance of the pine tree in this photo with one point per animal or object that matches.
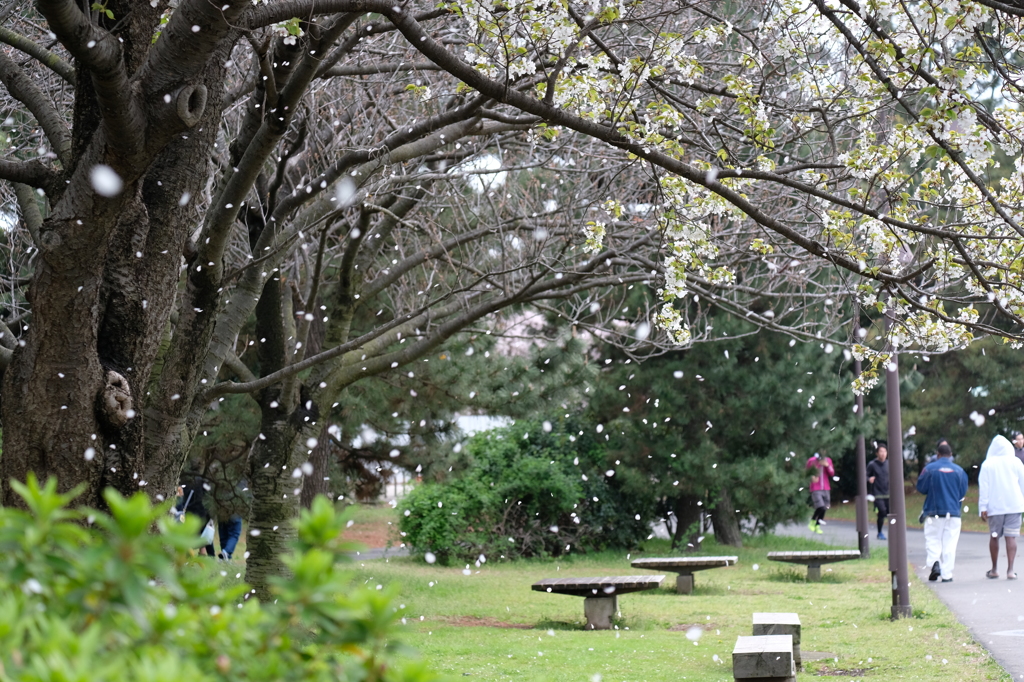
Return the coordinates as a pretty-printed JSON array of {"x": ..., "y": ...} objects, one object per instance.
[{"x": 726, "y": 427}]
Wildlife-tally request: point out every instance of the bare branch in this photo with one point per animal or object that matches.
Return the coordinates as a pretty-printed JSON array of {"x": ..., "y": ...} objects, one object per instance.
[
  {"x": 50, "y": 60},
  {"x": 28, "y": 93},
  {"x": 34, "y": 173}
]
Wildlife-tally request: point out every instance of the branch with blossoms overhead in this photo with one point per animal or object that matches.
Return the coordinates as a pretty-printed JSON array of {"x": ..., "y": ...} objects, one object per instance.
[{"x": 877, "y": 149}]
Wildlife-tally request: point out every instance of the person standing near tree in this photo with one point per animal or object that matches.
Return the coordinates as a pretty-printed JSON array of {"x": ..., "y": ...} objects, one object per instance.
[
  {"x": 821, "y": 471},
  {"x": 878, "y": 484},
  {"x": 1018, "y": 445},
  {"x": 944, "y": 485},
  {"x": 1001, "y": 501}
]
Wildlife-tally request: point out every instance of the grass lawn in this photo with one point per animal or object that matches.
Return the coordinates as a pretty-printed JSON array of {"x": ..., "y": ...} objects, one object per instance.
[
  {"x": 485, "y": 623},
  {"x": 915, "y": 502}
]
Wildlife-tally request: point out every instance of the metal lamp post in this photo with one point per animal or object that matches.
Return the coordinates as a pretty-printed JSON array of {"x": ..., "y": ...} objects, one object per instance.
[
  {"x": 898, "y": 513},
  {"x": 861, "y": 502}
]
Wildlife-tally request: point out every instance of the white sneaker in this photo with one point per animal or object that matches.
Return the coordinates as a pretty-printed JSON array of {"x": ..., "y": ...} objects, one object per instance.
[{"x": 223, "y": 556}]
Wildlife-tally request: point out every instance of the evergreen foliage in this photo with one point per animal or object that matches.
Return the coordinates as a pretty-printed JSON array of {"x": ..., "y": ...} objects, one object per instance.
[{"x": 727, "y": 426}]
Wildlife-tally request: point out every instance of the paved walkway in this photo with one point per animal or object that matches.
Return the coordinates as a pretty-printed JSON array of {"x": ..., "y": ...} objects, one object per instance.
[{"x": 993, "y": 610}]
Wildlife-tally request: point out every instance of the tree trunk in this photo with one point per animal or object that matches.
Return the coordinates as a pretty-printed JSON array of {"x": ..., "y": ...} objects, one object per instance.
[
  {"x": 688, "y": 529},
  {"x": 105, "y": 281},
  {"x": 275, "y": 498},
  {"x": 314, "y": 484},
  {"x": 727, "y": 525}
]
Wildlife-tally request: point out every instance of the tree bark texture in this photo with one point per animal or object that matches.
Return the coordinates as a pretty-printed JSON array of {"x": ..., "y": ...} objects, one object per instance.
[
  {"x": 688, "y": 523},
  {"x": 725, "y": 522}
]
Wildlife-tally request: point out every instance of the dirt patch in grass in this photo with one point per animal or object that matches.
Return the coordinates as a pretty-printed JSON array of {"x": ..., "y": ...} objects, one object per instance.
[
  {"x": 374, "y": 536},
  {"x": 683, "y": 627},
  {"x": 374, "y": 526},
  {"x": 841, "y": 672},
  {"x": 474, "y": 622}
]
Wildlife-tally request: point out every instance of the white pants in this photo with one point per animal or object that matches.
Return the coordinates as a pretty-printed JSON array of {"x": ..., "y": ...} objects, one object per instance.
[{"x": 940, "y": 537}]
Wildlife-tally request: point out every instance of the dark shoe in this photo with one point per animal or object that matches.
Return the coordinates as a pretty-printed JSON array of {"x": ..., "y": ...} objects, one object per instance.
[
  {"x": 947, "y": 580},
  {"x": 881, "y": 536},
  {"x": 934, "y": 575}
]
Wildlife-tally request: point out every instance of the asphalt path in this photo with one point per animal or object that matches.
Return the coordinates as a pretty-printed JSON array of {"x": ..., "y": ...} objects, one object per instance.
[{"x": 993, "y": 610}]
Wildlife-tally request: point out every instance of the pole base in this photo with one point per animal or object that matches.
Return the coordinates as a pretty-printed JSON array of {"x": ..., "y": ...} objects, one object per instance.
[{"x": 900, "y": 611}]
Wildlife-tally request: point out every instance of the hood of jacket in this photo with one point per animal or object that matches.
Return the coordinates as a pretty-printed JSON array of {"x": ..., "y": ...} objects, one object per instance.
[{"x": 1000, "y": 447}]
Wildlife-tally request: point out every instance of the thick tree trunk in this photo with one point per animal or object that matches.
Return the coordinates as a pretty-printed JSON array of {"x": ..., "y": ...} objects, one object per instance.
[
  {"x": 104, "y": 285},
  {"x": 727, "y": 525},
  {"x": 687, "y": 534}
]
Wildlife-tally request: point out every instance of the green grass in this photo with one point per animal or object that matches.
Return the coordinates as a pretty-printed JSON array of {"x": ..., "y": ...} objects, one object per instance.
[
  {"x": 489, "y": 625},
  {"x": 915, "y": 502}
]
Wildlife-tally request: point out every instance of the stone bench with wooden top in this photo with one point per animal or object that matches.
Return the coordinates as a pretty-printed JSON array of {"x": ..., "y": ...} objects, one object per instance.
[
  {"x": 601, "y": 595},
  {"x": 766, "y": 658},
  {"x": 780, "y": 624},
  {"x": 685, "y": 567},
  {"x": 814, "y": 559}
]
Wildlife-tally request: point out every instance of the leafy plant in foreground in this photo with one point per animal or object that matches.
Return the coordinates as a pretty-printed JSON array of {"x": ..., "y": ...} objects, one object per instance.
[{"x": 98, "y": 597}]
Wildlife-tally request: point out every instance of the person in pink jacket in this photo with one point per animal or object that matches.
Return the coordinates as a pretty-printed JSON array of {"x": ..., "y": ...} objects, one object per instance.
[{"x": 821, "y": 497}]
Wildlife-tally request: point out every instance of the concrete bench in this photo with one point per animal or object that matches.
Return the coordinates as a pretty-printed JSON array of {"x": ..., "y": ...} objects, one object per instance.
[
  {"x": 767, "y": 658},
  {"x": 601, "y": 595},
  {"x": 685, "y": 567},
  {"x": 814, "y": 559},
  {"x": 780, "y": 624}
]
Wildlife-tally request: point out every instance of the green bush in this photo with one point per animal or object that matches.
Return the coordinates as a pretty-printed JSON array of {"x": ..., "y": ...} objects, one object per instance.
[
  {"x": 90, "y": 597},
  {"x": 525, "y": 492}
]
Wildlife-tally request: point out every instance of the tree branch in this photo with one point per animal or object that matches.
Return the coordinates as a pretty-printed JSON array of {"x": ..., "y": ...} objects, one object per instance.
[
  {"x": 231, "y": 387},
  {"x": 34, "y": 173},
  {"x": 99, "y": 52},
  {"x": 371, "y": 69},
  {"x": 50, "y": 60},
  {"x": 28, "y": 93},
  {"x": 29, "y": 210}
]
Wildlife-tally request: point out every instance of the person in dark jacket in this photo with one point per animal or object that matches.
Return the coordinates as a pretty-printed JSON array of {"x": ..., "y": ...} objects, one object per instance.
[
  {"x": 194, "y": 491},
  {"x": 944, "y": 485},
  {"x": 878, "y": 484},
  {"x": 1018, "y": 445}
]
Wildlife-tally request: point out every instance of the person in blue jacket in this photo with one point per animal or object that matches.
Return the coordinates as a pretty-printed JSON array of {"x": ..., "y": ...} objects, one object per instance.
[{"x": 944, "y": 485}]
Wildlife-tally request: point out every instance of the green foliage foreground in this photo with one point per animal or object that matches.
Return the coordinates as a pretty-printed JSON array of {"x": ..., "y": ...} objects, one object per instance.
[{"x": 90, "y": 596}]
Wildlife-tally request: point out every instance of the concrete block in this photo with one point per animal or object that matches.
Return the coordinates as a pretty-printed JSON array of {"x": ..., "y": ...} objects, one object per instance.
[
  {"x": 813, "y": 573},
  {"x": 599, "y": 612},
  {"x": 684, "y": 583},
  {"x": 780, "y": 624},
  {"x": 763, "y": 657}
]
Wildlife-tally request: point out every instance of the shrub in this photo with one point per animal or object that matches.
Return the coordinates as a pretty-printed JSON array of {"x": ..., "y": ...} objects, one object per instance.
[
  {"x": 525, "y": 492},
  {"x": 89, "y": 596}
]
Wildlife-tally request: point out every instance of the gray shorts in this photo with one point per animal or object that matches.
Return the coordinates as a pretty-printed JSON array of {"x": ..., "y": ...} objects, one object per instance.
[
  {"x": 821, "y": 498},
  {"x": 1004, "y": 525}
]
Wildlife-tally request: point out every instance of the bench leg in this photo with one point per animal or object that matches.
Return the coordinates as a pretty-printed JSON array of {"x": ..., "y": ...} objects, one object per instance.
[
  {"x": 599, "y": 612},
  {"x": 684, "y": 583},
  {"x": 813, "y": 573}
]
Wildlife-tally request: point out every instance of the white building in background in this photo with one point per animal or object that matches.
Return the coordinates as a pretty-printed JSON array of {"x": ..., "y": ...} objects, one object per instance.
[{"x": 401, "y": 480}]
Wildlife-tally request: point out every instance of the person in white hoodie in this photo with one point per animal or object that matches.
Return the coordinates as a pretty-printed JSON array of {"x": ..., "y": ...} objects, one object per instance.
[{"x": 1001, "y": 501}]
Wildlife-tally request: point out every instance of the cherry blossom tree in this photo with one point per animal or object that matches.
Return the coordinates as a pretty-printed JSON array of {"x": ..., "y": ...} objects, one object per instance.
[{"x": 339, "y": 186}]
